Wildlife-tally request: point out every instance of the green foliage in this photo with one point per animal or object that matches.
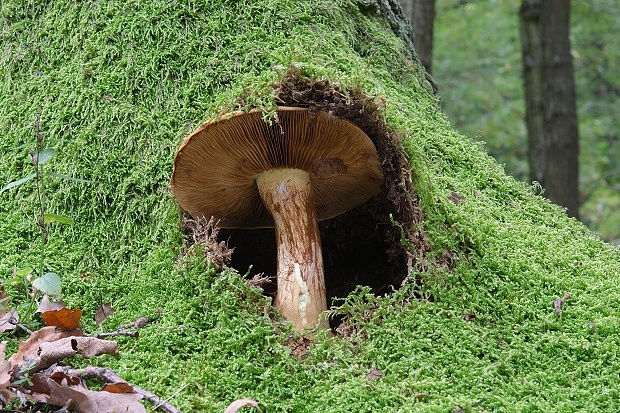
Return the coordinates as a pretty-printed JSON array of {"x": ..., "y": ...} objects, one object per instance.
[
  {"x": 120, "y": 83},
  {"x": 477, "y": 63},
  {"x": 48, "y": 283}
]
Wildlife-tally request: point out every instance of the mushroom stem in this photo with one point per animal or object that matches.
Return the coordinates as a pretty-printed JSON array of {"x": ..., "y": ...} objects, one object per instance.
[{"x": 288, "y": 195}]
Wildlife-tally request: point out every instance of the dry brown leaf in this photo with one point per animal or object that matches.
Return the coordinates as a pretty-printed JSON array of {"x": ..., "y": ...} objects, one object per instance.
[
  {"x": 30, "y": 346},
  {"x": 5, "y": 378},
  {"x": 4, "y": 298},
  {"x": 103, "y": 311},
  {"x": 374, "y": 374},
  {"x": 59, "y": 377},
  {"x": 39, "y": 390},
  {"x": 559, "y": 302},
  {"x": 47, "y": 305},
  {"x": 55, "y": 351},
  {"x": 120, "y": 387},
  {"x": 5, "y": 365},
  {"x": 83, "y": 400},
  {"x": 238, "y": 404},
  {"x": 92, "y": 346},
  {"x": 65, "y": 319},
  {"x": 5, "y": 315},
  {"x": 5, "y": 324}
]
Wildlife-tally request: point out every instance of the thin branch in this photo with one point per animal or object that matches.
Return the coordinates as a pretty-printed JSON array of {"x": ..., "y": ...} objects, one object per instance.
[
  {"x": 118, "y": 333},
  {"x": 109, "y": 376},
  {"x": 157, "y": 401},
  {"x": 14, "y": 321}
]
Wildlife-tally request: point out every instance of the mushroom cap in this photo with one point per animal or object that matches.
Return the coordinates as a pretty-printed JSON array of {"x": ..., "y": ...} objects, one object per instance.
[{"x": 215, "y": 167}]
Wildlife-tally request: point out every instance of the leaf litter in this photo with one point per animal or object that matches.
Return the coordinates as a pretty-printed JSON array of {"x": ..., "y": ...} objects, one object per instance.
[
  {"x": 6, "y": 316},
  {"x": 34, "y": 374},
  {"x": 103, "y": 311}
]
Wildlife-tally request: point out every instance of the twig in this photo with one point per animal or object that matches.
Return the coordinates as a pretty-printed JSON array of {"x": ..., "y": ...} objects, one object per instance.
[
  {"x": 109, "y": 376},
  {"x": 13, "y": 321},
  {"x": 153, "y": 399},
  {"x": 141, "y": 322},
  {"x": 118, "y": 333}
]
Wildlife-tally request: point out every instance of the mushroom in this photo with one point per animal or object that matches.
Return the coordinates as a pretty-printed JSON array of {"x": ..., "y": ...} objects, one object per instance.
[{"x": 302, "y": 168}]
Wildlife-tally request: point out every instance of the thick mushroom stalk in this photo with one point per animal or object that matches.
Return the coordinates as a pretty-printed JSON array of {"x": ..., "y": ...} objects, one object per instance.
[{"x": 288, "y": 195}]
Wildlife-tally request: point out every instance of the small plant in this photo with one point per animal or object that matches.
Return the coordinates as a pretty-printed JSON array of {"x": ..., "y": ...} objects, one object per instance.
[
  {"x": 404, "y": 240},
  {"x": 47, "y": 282},
  {"x": 25, "y": 375}
]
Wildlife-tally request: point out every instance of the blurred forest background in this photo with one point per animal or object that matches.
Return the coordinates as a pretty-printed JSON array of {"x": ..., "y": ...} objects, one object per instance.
[{"x": 477, "y": 63}]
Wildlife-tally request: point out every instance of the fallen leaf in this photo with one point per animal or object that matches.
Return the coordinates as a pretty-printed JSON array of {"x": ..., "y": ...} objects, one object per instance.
[
  {"x": 374, "y": 374},
  {"x": 103, "y": 311},
  {"x": 5, "y": 320},
  {"x": 557, "y": 303},
  {"x": 5, "y": 316},
  {"x": 5, "y": 378},
  {"x": 30, "y": 346},
  {"x": 455, "y": 197},
  {"x": 55, "y": 351},
  {"x": 51, "y": 352},
  {"x": 38, "y": 389},
  {"x": 65, "y": 319},
  {"x": 120, "y": 387},
  {"x": 238, "y": 404},
  {"x": 47, "y": 305},
  {"x": 469, "y": 317},
  {"x": 83, "y": 400},
  {"x": 5, "y": 365},
  {"x": 59, "y": 377}
]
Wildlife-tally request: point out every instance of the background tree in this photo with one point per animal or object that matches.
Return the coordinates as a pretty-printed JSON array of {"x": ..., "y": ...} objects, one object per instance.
[
  {"x": 478, "y": 64},
  {"x": 551, "y": 113},
  {"x": 421, "y": 15}
]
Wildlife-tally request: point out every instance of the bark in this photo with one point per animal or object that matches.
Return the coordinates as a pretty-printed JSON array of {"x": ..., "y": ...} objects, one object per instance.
[
  {"x": 421, "y": 14},
  {"x": 392, "y": 10},
  {"x": 560, "y": 112},
  {"x": 551, "y": 113},
  {"x": 531, "y": 47}
]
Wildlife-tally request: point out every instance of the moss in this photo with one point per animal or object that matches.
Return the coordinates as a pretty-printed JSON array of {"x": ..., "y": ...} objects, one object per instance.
[{"x": 120, "y": 83}]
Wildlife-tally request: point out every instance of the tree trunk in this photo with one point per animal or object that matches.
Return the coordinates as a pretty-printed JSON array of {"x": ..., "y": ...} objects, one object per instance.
[
  {"x": 393, "y": 12},
  {"x": 531, "y": 46},
  {"x": 551, "y": 113},
  {"x": 421, "y": 14},
  {"x": 423, "y": 23},
  {"x": 561, "y": 129}
]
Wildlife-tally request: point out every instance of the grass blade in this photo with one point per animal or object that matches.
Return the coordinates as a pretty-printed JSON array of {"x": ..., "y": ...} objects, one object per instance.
[
  {"x": 18, "y": 182},
  {"x": 48, "y": 218},
  {"x": 69, "y": 178}
]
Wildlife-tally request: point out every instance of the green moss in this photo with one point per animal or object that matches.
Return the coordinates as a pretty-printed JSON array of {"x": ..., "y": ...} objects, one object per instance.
[{"x": 121, "y": 83}]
